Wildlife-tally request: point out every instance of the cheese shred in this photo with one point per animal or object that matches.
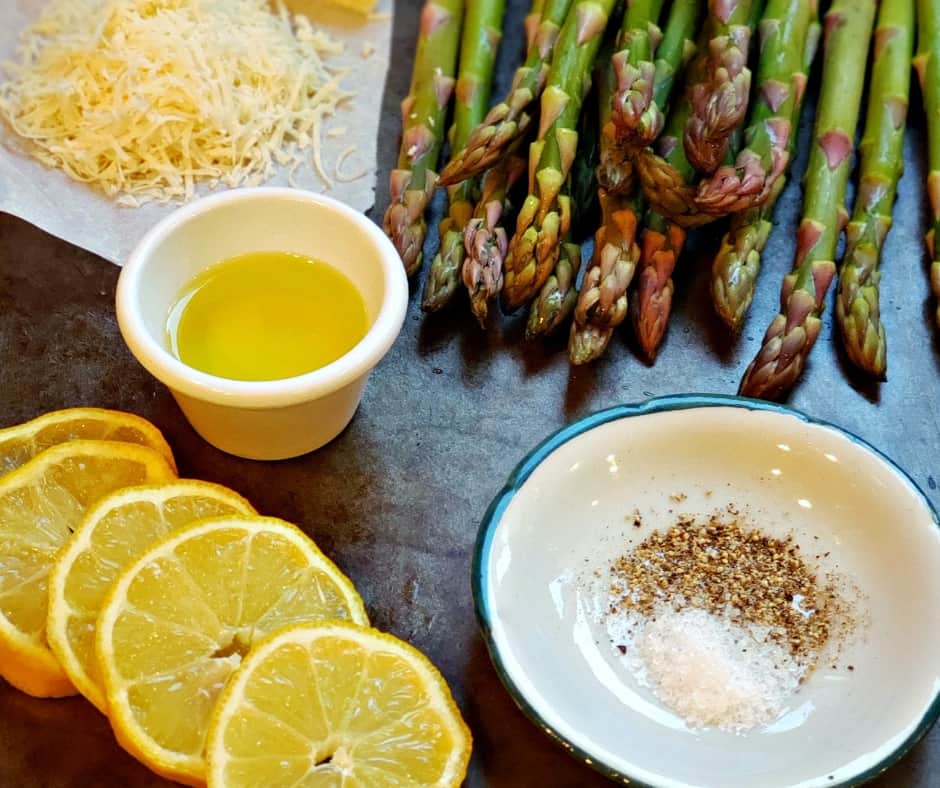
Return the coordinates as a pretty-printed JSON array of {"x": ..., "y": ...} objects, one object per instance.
[{"x": 146, "y": 98}]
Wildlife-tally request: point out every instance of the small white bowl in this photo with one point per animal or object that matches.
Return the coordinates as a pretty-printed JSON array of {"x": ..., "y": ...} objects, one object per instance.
[
  {"x": 266, "y": 420},
  {"x": 568, "y": 510}
]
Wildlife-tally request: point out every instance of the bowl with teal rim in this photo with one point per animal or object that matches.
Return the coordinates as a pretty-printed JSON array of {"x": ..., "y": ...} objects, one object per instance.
[{"x": 584, "y": 495}]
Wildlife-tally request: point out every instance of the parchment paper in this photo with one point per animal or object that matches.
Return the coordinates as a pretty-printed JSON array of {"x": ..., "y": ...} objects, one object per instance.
[{"x": 87, "y": 218}]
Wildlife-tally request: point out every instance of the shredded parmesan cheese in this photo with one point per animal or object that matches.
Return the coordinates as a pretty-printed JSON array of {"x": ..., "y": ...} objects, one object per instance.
[
  {"x": 341, "y": 160},
  {"x": 146, "y": 98}
]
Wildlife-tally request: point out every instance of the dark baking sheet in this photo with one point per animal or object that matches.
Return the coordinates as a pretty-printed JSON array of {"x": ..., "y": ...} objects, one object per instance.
[{"x": 396, "y": 500}]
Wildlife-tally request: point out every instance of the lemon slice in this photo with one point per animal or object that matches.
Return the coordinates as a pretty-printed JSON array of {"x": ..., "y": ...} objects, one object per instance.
[
  {"x": 40, "y": 503},
  {"x": 112, "y": 534},
  {"x": 332, "y": 704},
  {"x": 21, "y": 443},
  {"x": 178, "y": 621}
]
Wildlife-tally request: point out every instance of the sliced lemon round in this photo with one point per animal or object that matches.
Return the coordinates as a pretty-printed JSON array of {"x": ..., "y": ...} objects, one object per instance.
[
  {"x": 20, "y": 443},
  {"x": 111, "y": 535},
  {"x": 333, "y": 704},
  {"x": 178, "y": 621},
  {"x": 40, "y": 504}
]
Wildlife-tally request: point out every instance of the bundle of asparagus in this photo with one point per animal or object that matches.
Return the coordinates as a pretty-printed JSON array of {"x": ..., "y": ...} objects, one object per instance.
[{"x": 665, "y": 164}]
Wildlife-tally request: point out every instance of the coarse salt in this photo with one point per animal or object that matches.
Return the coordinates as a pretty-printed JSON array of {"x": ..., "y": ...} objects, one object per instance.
[{"x": 709, "y": 669}]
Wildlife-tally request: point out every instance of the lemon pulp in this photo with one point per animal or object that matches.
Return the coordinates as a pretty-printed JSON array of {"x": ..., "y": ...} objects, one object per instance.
[{"x": 266, "y": 316}]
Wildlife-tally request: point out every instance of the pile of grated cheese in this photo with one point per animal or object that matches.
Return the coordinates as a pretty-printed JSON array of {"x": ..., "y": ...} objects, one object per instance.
[{"x": 146, "y": 98}]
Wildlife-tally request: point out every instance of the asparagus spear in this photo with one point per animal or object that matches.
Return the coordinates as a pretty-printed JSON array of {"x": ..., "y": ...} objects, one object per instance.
[
  {"x": 882, "y": 162},
  {"x": 719, "y": 97},
  {"x": 482, "y": 28},
  {"x": 928, "y": 68},
  {"x": 660, "y": 247},
  {"x": 602, "y": 302},
  {"x": 675, "y": 50},
  {"x": 485, "y": 239},
  {"x": 423, "y": 114},
  {"x": 663, "y": 239},
  {"x": 633, "y": 64},
  {"x": 737, "y": 264},
  {"x": 545, "y": 216},
  {"x": 558, "y": 295},
  {"x": 793, "y": 332},
  {"x": 509, "y": 119},
  {"x": 781, "y": 82},
  {"x": 627, "y": 74}
]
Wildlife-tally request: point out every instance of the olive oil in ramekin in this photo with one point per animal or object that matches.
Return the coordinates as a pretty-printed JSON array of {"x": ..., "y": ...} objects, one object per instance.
[{"x": 266, "y": 316}]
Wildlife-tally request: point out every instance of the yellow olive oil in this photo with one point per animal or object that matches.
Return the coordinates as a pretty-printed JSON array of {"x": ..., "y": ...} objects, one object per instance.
[{"x": 266, "y": 316}]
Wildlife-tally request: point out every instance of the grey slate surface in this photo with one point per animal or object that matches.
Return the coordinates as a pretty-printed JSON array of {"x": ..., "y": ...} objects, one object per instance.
[{"x": 396, "y": 500}]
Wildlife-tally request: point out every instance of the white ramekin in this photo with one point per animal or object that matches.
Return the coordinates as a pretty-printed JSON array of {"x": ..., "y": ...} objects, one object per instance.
[{"x": 265, "y": 420}]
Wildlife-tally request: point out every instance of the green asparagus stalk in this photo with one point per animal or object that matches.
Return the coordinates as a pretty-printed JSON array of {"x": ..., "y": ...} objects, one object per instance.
[
  {"x": 793, "y": 332},
  {"x": 510, "y": 119},
  {"x": 675, "y": 50},
  {"x": 556, "y": 300},
  {"x": 633, "y": 64},
  {"x": 545, "y": 216},
  {"x": 558, "y": 295},
  {"x": 423, "y": 116},
  {"x": 882, "y": 162},
  {"x": 719, "y": 98},
  {"x": 602, "y": 302},
  {"x": 928, "y": 69},
  {"x": 660, "y": 247},
  {"x": 482, "y": 28},
  {"x": 781, "y": 82},
  {"x": 485, "y": 238},
  {"x": 737, "y": 264}
]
